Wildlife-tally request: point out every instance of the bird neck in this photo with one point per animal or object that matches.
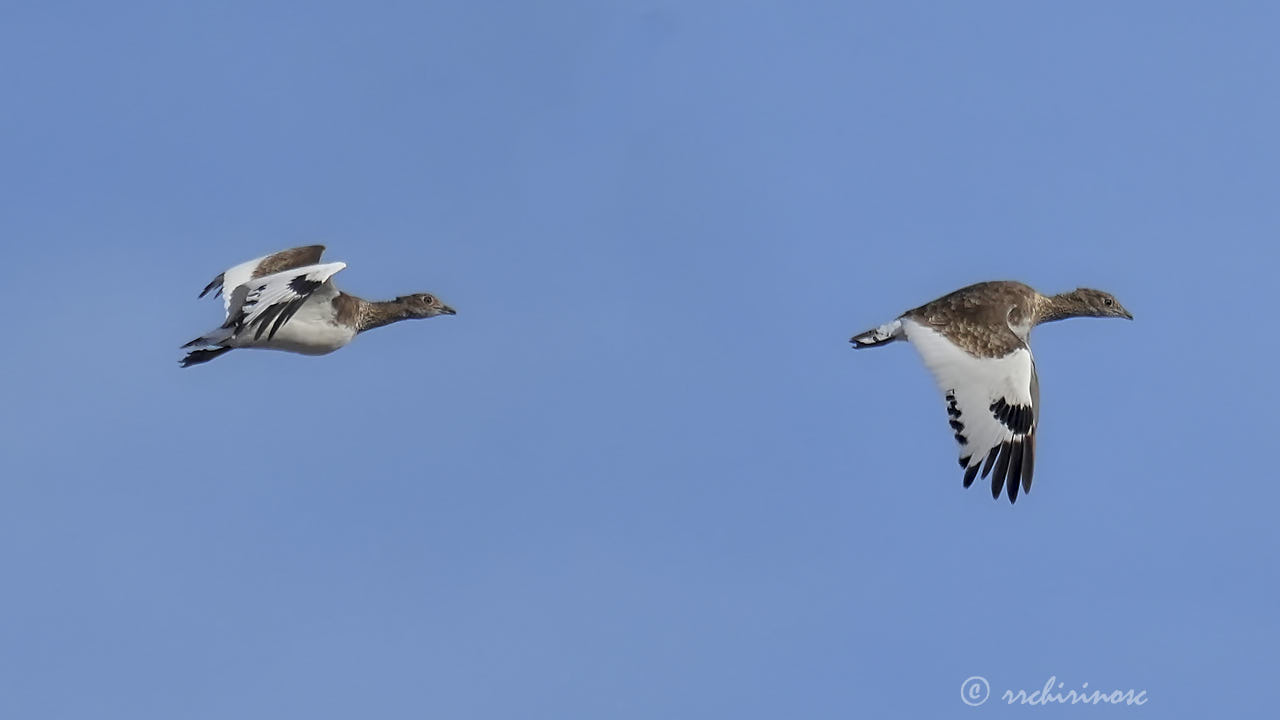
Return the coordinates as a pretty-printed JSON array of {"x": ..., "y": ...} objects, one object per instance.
[
  {"x": 1060, "y": 307},
  {"x": 367, "y": 315},
  {"x": 377, "y": 313}
]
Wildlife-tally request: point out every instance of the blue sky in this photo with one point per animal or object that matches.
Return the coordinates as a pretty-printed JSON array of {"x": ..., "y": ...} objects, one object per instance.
[{"x": 641, "y": 474}]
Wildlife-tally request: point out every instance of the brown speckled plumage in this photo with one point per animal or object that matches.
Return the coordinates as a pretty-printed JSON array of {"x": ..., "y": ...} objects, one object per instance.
[
  {"x": 287, "y": 301},
  {"x": 977, "y": 318},
  {"x": 289, "y": 259},
  {"x": 976, "y": 341},
  {"x": 992, "y": 319},
  {"x": 365, "y": 315},
  {"x": 274, "y": 263},
  {"x": 347, "y": 309}
]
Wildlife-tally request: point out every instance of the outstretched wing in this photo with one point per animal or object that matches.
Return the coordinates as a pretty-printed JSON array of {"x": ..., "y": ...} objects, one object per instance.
[
  {"x": 993, "y": 405},
  {"x": 233, "y": 278},
  {"x": 264, "y": 305}
]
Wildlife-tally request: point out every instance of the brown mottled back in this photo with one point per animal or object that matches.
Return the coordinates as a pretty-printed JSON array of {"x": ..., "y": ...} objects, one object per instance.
[
  {"x": 288, "y": 260},
  {"x": 977, "y": 318}
]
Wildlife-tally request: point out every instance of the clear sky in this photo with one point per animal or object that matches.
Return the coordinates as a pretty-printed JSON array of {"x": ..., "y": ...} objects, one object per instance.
[{"x": 641, "y": 474}]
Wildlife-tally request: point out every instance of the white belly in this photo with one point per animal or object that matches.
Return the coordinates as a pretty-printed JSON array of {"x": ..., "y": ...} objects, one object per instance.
[{"x": 312, "y": 331}]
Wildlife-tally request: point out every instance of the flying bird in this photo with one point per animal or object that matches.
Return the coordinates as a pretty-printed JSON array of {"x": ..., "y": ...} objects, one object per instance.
[
  {"x": 287, "y": 301},
  {"x": 976, "y": 342}
]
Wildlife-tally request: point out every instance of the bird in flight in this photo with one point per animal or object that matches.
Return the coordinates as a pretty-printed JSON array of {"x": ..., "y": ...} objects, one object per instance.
[
  {"x": 976, "y": 342},
  {"x": 287, "y": 301}
]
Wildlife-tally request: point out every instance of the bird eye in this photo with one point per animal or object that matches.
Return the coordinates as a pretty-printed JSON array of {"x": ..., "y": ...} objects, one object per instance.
[
  {"x": 1109, "y": 302},
  {"x": 428, "y": 300}
]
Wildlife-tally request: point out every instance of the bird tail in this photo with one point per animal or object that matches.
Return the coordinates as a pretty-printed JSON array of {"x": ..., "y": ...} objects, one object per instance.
[
  {"x": 195, "y": 357},
  {"x": 212, "y": 344},
  {"x": 215, "y": 337},
  {"x": 886, "y": 333}
]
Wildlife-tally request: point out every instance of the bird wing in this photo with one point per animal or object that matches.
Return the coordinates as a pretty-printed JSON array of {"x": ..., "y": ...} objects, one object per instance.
[
  {"x": 992, "y": 404},
  {"x": 265, "y": 304},
  {"x": 234, "y": 277}
]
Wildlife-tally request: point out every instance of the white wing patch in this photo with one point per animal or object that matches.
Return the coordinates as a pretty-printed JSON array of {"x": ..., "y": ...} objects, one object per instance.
[
  {"x": 228, "y": 280},
  {"x": 264, "y": 305},
  {"x": 991, "y": 404}
]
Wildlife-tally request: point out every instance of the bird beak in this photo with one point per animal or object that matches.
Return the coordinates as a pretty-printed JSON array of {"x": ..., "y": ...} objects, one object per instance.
[
  {"x": 1128, "y": 314},
  {"x": 446, "y": 310}
]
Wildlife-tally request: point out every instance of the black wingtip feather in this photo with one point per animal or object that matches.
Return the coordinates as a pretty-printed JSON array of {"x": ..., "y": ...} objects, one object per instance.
[
  {"x": 1002, "y": 469},
  {"x": 264, "y": 320},
  {"x": 991, "y": 460},
  {"x": 1015, "y": 469},
  {"x": 970, "y": 474},
  {"x": 215, "y": 285},
  {"x": 288, "y": 312},
  {"x": 1028, "y": 462}
]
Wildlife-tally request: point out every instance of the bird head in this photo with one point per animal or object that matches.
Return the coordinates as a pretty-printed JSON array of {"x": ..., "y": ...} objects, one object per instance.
[
  {"x": 1100, "y": 304},
  {"x": 424, "y": 305}
]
